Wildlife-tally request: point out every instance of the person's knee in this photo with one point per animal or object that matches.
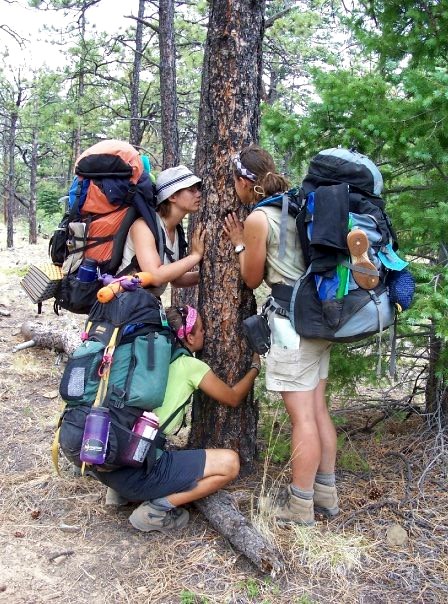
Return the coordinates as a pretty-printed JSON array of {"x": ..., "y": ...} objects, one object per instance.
[
  {"x": 232, "y": 464},
  {"x": 224, "y": 462}
]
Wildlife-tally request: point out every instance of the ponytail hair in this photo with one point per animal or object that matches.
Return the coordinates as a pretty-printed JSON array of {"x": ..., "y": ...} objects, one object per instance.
[{"x": 260, "y": 163}]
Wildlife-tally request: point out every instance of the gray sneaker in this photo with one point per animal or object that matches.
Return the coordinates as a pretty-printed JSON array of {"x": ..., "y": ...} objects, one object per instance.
[
  {"x": 148, "y": 518},
  {"x": 114, "y": 498},
  {"x": 292, "y": 509},
  {"x": 326, "y": 500}
]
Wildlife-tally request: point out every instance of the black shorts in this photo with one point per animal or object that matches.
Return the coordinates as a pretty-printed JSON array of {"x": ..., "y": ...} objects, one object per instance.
[{"x": 173, "y": 472}]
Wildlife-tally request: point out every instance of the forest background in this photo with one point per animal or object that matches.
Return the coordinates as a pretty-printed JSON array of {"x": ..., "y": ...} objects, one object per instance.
[{"x": 370, "y": 75}]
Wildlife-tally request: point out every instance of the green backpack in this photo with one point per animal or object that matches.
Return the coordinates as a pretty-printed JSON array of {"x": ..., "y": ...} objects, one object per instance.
[{"x": 122, "y": 364}]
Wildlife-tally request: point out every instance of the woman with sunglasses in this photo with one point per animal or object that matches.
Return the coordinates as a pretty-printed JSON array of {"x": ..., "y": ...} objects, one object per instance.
[
  {"x": 179, "y": 477},
  {"x": 178, "y": 194},
  {"x": 296, "y": 367}
]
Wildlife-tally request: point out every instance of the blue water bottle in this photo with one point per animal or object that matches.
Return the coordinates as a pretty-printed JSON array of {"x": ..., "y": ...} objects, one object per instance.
[{"x": 88, "y": 271}]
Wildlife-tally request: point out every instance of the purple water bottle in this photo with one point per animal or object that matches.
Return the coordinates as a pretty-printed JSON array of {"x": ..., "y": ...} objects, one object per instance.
[
  {"x": 146, "y": 426},
  {"x": 88, "y": 271},
  {"x": 95, "y": 437}
]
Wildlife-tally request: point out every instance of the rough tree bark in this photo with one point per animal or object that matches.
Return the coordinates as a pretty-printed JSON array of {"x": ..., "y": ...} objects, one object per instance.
[
  {"x": 135, "y": 129},
  {"x": 14, "y": 116},
  {"x": 436, "y": 390},
  {"x": 168, "y": 89},
  {"x": 32, "y": 226},
  {"x": 228, "y": 120}
]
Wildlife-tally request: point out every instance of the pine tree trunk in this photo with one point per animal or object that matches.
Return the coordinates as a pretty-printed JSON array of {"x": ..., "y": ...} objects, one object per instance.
[
  {"x": 11, "y": 180},
  {"x": 436, "y": 391},
  {"x": 32, "y": 227},
  {"x": 228, "y": 120},
  {"x": 135, "y": 128},
  {"x": 168, "y": 89}
]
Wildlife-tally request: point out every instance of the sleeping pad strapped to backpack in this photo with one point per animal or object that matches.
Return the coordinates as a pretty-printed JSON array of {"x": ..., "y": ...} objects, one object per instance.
[
  {"x": 349, "y": 248},
  {"x": 110, "y": 191},
  {"x": 122, "y": 365}
]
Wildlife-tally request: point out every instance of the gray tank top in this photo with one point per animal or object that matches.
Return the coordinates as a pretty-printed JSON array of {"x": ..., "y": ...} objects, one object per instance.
[{"x": 292, "y": 266}]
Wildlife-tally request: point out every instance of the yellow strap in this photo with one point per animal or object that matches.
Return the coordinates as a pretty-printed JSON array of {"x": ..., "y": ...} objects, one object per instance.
[
  {"x": 104, "y": 381},
  {"x": 102, "y": 389},
  {"x": 55, "y": 451}
]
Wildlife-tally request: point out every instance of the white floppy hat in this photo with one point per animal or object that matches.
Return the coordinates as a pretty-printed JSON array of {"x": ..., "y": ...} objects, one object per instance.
[{"x": 172, "y": 180}]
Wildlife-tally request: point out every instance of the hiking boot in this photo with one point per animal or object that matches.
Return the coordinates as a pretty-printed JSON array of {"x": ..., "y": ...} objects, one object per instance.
[
  {"x": 363, "y": 270},
  {"x": 294, "y": 509},
  {"x": 148, "y": 518},
  {"x": 325, "y": 500},
  {"x": 114, "y": 498}
]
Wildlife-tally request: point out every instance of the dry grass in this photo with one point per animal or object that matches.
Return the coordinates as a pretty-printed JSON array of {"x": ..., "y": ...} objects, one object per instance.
[{"x": 60, "y": 543}]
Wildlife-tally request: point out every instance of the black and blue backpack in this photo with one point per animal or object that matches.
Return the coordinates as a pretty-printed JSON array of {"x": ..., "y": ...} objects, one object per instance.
[{"x": 355, "y": 282}]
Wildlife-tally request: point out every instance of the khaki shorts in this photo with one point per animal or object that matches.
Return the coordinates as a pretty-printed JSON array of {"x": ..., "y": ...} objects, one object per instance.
[{"x": 297, "y": 367}]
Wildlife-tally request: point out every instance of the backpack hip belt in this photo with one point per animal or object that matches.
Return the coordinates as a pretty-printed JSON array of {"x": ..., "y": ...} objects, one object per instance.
[{"x": 280, "y": 299}]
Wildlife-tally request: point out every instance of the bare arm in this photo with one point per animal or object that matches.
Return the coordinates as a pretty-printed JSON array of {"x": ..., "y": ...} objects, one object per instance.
[
  {"x": 149, "y": 260},
  {"x": 214, "y": 387},
  {"x": 253, "y": 234},
  {"x": 187, "y": 280}
]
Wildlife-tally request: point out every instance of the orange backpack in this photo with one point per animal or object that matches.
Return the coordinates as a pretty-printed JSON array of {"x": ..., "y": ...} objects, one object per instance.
[{"x": 110, "y": 190}]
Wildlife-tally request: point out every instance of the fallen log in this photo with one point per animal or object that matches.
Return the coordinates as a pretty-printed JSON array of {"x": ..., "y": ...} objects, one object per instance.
[
  {"x": 222, "y": 514},
  {"x": 61, "y": 335},
  {"x": 219, "y": 509}
]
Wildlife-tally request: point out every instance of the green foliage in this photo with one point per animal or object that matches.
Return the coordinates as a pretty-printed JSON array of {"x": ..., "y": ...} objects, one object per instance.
[
  {"x": 351, "y": 363},
  {"x": 252, "y": 588},
  {"x": 276, "y": 441},
  {"x": 189, "y": 597},
  {"x": 401, "y": 29},
  {"x": 305, "y": 599},
  {"x": 349, "y": 458},
  {"x": 48, "y": 198},
  {"x": 19, "y": 271},
  {"x": 274, "y": 425}
]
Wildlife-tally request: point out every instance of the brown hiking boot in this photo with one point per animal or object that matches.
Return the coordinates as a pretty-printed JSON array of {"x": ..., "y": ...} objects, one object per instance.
[
  {"x": 294, "y": 509},
  {"x": 325, "y": 500},
  {"x": 364, "y": 271},
  {"x": 148, "y": 518}
]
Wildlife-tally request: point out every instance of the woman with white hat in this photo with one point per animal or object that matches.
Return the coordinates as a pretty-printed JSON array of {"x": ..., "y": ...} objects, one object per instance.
[{"x": 178, "y": 194}]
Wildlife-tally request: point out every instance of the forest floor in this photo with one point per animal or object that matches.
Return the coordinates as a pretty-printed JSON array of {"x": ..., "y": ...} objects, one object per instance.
[{"x": 60, "y": 543}]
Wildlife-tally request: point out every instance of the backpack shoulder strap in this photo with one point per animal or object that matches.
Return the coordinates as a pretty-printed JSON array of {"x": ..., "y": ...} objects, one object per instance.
[
  {"x": 183, "y": 245},
  {"x": 289, "y": 203},
  {"x": 179, "y": 351}
]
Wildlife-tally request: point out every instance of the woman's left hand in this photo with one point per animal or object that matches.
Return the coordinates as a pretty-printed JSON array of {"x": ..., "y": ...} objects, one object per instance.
[{"x": 234, "y": 229}]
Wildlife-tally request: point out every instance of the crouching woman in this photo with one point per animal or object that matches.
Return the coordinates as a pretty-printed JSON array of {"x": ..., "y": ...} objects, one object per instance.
[{"x": 179, "y": 477}]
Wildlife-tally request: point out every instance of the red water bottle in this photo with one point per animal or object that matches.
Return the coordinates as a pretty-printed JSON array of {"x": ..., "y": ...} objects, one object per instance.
[{"x": 143, "y": 433}]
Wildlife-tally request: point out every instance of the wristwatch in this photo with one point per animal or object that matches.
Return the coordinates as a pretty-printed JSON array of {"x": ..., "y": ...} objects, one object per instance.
[
  {"x": 240, "y": 248},
  {"x": 256, "y": 366}
]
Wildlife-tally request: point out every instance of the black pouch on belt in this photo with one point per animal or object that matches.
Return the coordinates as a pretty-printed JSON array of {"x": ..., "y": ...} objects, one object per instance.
[{"x": 258, "y": 334}]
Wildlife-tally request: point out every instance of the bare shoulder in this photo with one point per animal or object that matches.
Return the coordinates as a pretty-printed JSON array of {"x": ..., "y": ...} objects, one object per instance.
[
  {"x": 140, "y": 229},
  {"x": 256, "y": 218},
  {"x": 256, "y": 224}
]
